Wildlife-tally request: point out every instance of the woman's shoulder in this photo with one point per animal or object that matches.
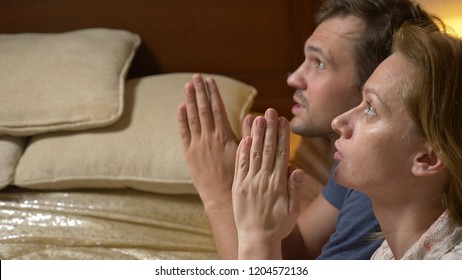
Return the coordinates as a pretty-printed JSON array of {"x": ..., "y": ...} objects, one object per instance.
[{"x": 454, "y": 254}]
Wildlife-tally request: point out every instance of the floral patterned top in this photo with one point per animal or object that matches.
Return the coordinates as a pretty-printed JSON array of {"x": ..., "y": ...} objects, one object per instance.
[{"x": 442, "y": 241}]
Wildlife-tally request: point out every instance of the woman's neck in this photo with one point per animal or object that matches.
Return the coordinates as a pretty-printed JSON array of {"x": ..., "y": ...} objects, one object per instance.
[{"x": 403, "y": 225}]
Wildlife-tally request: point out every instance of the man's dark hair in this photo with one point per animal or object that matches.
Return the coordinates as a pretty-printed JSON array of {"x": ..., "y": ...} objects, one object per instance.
[{"x": 381, "y": 19}]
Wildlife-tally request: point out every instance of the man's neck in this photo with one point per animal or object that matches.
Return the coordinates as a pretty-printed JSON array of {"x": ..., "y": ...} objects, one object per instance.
[{"x": 331, "y": 138}]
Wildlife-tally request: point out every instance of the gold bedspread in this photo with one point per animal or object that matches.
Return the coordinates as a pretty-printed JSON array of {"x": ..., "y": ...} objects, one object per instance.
[
  {"x": 126, "y": 224},
  {"x": 103, "y": 224}
]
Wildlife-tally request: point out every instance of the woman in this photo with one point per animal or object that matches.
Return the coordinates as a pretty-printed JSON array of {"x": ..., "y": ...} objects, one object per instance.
[
  {"x": 408, "y": 130},
  {"x": 402, "y": 146}
]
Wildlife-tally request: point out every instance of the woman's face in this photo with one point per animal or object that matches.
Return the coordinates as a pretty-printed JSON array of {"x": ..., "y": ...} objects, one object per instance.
[{"x": 378, "y": 141}]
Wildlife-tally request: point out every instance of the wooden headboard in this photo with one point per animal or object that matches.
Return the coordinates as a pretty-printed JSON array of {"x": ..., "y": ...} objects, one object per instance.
[{"x": 256, "y": 41}]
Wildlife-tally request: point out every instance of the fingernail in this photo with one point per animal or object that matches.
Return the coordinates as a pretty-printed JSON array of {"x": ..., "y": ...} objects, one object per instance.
[
  {"x": 209, "y": 80},
  {"x": 271, "y": 114},
  {"x": 197, "y": 78},
  {"x": 282, "y": 122},
  {"x": 298, "y": 176},
  {"x": 260, "y": 122},
  {"x": 249, "y": 121}
]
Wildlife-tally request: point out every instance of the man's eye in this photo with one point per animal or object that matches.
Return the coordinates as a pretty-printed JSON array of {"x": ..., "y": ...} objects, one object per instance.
[{"x": 318, "y": 64}]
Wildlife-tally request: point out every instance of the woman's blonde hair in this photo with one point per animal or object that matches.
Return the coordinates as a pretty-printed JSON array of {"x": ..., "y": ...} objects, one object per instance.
[{"x": 434, "y": 101}]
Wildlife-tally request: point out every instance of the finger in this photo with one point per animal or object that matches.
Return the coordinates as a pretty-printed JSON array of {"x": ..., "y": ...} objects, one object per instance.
[
  {"x": 247, "y": 125},
  {"x": 182, "y": 120},
  {"x": 191, "y": 109},
  {"x": 242, "y": 159},
  {"x": 219, "y": 116},
  {"x": 203, "y": 103},
  {"x": 294, "y": 189},
  {"x": 281, "y": 161},
  {"x": 258, "y": 135},
  {"x": 236, "y": 161},
  {"x": 270, "y": 141}
]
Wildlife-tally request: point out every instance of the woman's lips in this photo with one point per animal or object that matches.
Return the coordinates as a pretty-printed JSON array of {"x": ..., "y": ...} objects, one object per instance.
[{"x": 338, "y": 154}]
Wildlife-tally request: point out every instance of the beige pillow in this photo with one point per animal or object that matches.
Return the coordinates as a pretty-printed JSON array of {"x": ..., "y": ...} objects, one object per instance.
[
  {"x": 142, "y": 150},
  {"x": 63, "y": 81},
  {"x": 11, "y": 149}
]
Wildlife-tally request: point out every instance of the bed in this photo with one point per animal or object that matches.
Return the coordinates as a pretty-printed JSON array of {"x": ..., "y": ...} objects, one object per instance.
[{"x": 91, "y": 165}]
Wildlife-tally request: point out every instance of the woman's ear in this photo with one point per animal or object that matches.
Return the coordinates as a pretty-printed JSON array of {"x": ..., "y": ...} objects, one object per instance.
[{"x": 427, "y": 162}]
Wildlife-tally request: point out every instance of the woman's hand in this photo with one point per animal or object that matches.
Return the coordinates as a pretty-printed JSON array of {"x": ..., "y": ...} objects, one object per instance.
[{"x": 265, "y": 190}]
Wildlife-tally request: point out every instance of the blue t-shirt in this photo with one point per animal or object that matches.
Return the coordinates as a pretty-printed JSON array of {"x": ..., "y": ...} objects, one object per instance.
[{"x": 354, "y": 237}]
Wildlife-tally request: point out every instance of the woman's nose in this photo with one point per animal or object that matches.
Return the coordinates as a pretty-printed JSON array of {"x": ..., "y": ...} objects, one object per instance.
[{"x": 342, "y": 124}]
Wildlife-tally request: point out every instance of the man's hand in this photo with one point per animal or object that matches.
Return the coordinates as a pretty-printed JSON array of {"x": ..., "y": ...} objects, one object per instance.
[
  {"x": 208, "y": 140},
  {"x": 210, "y": 146}
]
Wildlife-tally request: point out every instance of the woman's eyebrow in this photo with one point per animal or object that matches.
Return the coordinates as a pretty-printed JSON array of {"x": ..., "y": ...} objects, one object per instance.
[{"x": 371, "y": 91}]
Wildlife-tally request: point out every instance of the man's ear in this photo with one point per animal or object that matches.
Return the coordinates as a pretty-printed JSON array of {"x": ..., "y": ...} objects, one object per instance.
[{"x": 427, "y": 162}]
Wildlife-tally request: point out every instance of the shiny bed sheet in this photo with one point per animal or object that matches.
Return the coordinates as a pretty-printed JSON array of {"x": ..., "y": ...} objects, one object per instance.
[{"x": 102, "y": 224}]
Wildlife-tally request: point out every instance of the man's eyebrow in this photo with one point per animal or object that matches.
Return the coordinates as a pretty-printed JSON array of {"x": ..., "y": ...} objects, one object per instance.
[{"x": 320, "y": 51}]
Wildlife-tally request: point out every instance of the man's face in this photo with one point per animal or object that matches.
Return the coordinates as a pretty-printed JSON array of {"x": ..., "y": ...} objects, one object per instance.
[{"x": 326, "y": 82}]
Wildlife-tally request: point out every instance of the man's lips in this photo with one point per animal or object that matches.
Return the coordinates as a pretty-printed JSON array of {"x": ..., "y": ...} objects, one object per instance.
[
  {"x": 297, "y": 107},
  {"x": 295, "y": 99}
]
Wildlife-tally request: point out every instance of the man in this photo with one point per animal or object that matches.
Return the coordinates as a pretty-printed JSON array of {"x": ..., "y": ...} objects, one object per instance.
[{"x": 351, "y": 39}]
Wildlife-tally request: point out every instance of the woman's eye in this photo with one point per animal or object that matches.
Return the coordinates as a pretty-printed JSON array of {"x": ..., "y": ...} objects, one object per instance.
[
  {"x": 321, "y": 65},
  {"x": 370, "y": 111}
]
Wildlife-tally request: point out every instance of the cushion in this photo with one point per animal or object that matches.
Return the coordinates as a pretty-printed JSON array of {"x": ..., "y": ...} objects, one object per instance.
[
  {"x": 11, "y": 149},
  {"x": 63, "y": 81},
  {"x": 142, "y": 150}
]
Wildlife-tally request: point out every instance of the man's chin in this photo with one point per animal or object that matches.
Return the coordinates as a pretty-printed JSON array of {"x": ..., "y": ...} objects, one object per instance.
[
  {"x": 298, "y": 127},
  {"x": 306, "y": 129},
  {"x": 293, "y": 123}
]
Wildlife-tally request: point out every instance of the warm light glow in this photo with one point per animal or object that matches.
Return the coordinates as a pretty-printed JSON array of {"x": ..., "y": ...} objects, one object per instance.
[
  {"x": 450, "y": 11},
  {"x": 455, "y": 23}
]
